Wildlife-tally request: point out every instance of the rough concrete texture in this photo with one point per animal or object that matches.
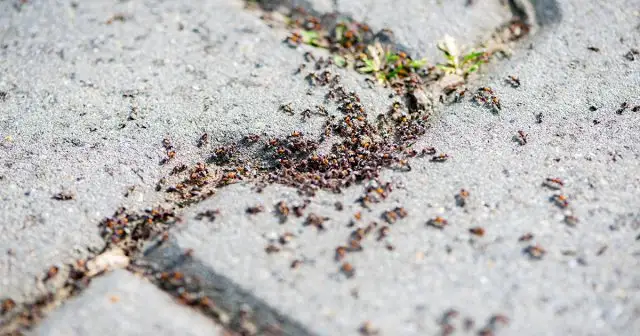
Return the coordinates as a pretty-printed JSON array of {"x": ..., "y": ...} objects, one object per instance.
[
  {"x": 587, "y": 283},
  {"x": 101, "y": 84},
  {"x": 89, "y": 103},
  {"x": 121, "y": 303},
  {"x": 419, "y": 25},
  {"x": 91, "y": 94}
]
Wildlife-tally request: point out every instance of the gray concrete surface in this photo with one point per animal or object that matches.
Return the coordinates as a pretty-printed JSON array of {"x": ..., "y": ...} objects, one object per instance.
[
  {"x": 66, "y": 125},
  {"x": 121, "y": 303},
  {"x": 74, "y": 75},
  {"x": 90, "y": 98},
  {"x": 419, "y": 25},
  {"x": 588, "y": 281}
]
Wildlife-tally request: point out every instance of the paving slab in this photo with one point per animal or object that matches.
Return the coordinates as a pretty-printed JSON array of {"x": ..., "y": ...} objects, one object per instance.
[
  {"x": 91, "y": 92},
  {"x": 574, "y": 79},
  {"x": 124, "y": 304},
  {"x": 101, "y": 85},
  {"x": 93, "y": 89}
]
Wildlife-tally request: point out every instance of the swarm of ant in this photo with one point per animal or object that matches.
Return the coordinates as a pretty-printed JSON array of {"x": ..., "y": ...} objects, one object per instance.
[
  {"x": 356, "y": 149},
  {"x": 129, "y": 230},
  {"x": 487, "y": 97},
  {"x": 359, "y": 147},
  {"x": 353, "y": 146},
  {"x": 355, "y": 44}
]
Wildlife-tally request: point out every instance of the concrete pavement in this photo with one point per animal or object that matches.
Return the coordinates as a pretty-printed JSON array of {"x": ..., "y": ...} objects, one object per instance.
[{"x": 90, "y": 98}]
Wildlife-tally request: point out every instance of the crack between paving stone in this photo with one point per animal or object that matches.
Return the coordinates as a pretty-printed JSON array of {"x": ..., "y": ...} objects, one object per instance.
[{"x": 168, "y": 266}]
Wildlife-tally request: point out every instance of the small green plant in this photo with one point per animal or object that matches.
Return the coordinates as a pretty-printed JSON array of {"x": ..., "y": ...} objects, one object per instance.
[
  {"x": 387, "y": 65},
  {"x": 313, "y": 38},
  {"x": 457, "y": 63},
  {"x": 353, "y": 44},
  {"x": 340, "y": 61},
  {"x": 371, "y": 62}
]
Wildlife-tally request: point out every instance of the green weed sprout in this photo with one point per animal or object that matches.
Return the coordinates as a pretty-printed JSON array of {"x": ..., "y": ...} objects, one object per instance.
[
  {"x": 456, "y": 63},
  {"x": 387, "y": 65}
]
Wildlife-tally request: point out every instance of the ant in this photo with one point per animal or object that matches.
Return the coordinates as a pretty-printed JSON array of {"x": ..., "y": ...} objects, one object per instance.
[
  {"x": 478, "y": 231},
  {"x": 553, "y": 183},
  {"x": 513, "y": 81},
  {"x": 204, "y": 139},
  {"x": 287, "y": 108},
  {"x": 526, "y": 237},
  {"x": 64, "y": 196},
  {"x": 535, "y": 251},
  {"x": 521, "y": 138},
  {"x": 440, "y": 158},
  {"x": 255, "y": 209},
  {"x": 571, "y": 220},
  {"x": 561, "y": 201},
  {"x": 438, "y": 222},
  {"x": 461, "y": 198},
  {"x": 294, "y": 39},
  {"x": 348, "y": 270}
]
